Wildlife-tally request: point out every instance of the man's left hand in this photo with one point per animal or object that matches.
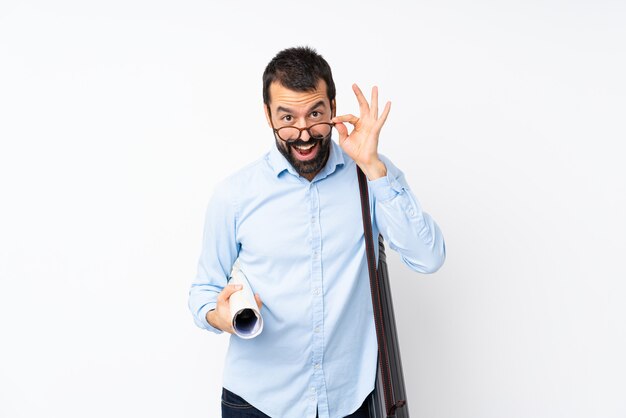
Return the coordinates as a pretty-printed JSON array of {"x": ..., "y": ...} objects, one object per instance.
[{"x": 362, "y": 143}]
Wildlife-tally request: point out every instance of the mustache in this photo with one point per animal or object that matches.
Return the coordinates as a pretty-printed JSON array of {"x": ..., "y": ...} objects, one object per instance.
[{"x": 311, "y": 140}]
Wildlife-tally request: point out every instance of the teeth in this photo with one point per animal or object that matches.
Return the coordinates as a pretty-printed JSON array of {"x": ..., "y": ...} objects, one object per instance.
[{"x": 304, "y": 147}]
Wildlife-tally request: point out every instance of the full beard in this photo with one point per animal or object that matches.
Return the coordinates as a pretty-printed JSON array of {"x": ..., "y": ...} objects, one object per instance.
[{"x": 306, "y": 167}]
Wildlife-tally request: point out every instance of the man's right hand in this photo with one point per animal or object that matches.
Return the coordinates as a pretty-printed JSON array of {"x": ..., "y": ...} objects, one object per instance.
[{"x": 220, "y": 316}]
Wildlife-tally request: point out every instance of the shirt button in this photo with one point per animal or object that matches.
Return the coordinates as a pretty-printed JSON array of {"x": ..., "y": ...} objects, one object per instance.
[
  {"x": 316, "y": 329},
  {"x": 316, "y": 366},
  {"x": 316, "y": 292},
  {"x": 312, "y": 389},
  {"x": 411, "y": 212}
]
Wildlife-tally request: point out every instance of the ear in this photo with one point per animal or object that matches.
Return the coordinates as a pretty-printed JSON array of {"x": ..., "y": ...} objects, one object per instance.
[
  {"x": 266, "y": 108},
  {"x": 333, "y": 106}
]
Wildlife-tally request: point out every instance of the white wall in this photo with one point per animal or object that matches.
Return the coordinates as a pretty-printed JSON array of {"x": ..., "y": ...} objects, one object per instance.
[{"x": 117, "y": 118}]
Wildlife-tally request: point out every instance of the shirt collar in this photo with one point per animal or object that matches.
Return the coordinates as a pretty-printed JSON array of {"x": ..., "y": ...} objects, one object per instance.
[{"x": 279, "y": 163}]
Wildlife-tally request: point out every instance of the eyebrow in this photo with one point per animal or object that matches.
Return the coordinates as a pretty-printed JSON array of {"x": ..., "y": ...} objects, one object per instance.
[{"x": 287, "y": 110}]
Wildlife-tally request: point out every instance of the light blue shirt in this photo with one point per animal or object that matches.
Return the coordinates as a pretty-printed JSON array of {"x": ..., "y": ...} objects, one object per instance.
[{"x": 301, "y": 246}]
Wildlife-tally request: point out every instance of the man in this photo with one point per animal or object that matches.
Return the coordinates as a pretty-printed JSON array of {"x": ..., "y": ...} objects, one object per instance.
[{"x": 293, "y": 219}]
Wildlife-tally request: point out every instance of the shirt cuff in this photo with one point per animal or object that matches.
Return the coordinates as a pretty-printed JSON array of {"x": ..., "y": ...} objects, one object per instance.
[
  {"x": 203, "y": 311},
  {"x": 384, "y": 188}
]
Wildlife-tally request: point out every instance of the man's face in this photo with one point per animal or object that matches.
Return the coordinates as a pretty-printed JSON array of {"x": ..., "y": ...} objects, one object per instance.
[{"x": 301, "y": 109}]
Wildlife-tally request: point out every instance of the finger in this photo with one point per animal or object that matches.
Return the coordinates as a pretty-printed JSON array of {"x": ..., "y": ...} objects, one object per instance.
[
  {"x": 374, "y": 103},
  {"x": 363, "y": 106},
  {"x": 342, "y": 130},
  {"x": 228, "y": 291},
  {"x": 346, "y": 118},
  {"x": 258, "y": 300},
  {"x": 383, "y": 116}
]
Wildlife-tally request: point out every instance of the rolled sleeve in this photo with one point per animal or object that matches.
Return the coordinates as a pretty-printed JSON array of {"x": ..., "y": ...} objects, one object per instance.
[
  {"x": 202, "y": 315},
  {"x": 404, "y": 225},
  {"x": 384, "y": 188}
]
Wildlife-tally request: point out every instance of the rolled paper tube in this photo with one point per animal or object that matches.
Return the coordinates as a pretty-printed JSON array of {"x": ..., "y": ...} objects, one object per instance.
[{"x": 244, "y": 312}]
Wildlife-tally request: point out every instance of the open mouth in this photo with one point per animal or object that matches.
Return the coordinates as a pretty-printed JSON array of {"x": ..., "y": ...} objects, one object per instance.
[{"x": 305, "y": 151}]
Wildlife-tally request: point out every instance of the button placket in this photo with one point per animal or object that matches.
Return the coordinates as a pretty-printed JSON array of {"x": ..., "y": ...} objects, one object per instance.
[{"x": 317, "y": 291}]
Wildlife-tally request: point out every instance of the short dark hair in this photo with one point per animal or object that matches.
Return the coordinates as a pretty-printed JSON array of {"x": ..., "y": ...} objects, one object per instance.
[{"x": 299, "y": 69}]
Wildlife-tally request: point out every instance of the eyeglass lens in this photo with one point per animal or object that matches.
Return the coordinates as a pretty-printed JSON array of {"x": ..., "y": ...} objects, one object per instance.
[{"x": 317, "y": 131}]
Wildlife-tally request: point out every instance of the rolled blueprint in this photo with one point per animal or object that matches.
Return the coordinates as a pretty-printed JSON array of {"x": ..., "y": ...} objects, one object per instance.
[{"x": 244, "y": 312}]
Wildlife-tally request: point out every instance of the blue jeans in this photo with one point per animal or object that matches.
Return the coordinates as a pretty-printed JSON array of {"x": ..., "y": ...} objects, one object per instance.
[{"x": 234, "y": 406}]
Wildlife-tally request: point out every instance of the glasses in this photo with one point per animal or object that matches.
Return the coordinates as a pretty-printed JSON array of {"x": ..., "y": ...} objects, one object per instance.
[{"x": 316, "y": 131}]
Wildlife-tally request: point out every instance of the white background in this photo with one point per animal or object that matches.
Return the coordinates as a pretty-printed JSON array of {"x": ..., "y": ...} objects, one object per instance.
[{"x": 117, "y": 119}]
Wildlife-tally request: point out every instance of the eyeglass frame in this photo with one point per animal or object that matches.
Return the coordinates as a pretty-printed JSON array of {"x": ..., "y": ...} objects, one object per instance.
[{"x": 306, "y": 128}]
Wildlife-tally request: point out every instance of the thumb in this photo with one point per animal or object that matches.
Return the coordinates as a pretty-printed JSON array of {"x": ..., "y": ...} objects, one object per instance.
[
  {"x": 342, "y": 130},
  {"x": 228, "y": 291}
]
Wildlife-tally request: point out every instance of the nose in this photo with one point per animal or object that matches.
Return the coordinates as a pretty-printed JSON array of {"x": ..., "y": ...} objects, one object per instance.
[{"x": 304, "y": 135}]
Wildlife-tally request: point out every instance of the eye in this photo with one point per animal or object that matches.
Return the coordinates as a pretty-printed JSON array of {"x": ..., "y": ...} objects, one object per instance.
[
  {"x": 315, "y": 114},
  {"x": 287, "y": 118}
]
